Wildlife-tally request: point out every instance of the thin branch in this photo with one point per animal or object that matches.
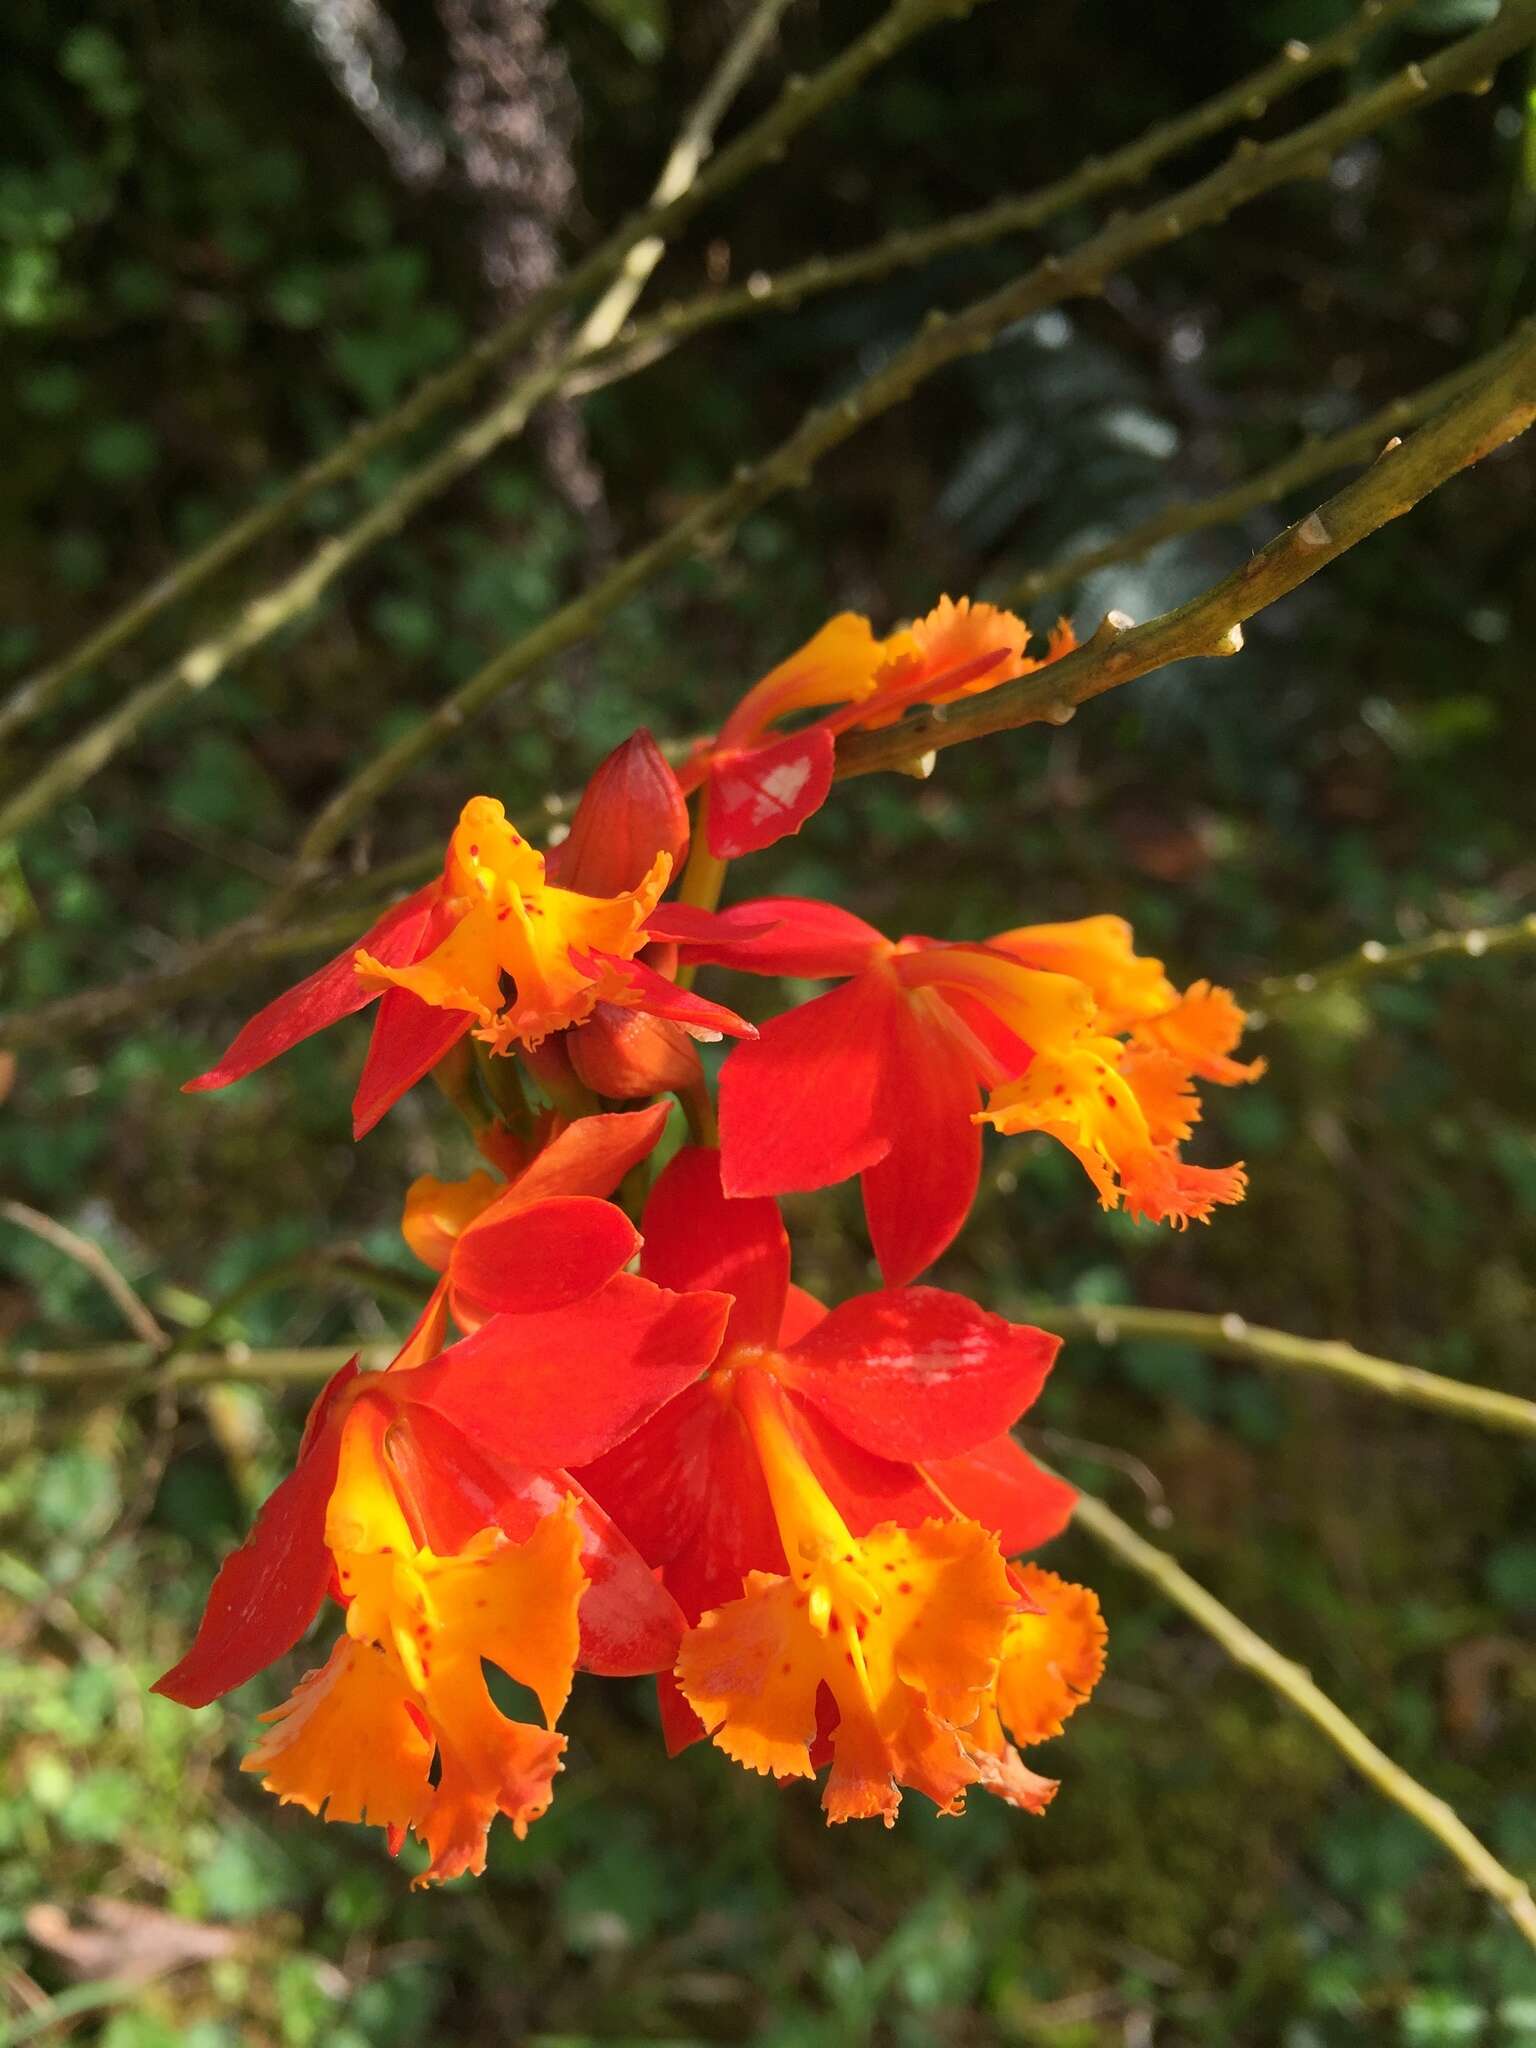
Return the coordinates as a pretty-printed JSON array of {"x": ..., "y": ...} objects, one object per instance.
[
  {"x": 1251, "y": 170},
  {"x": 134, "y": 1312},
  {"x": 1373, "y": 960},
  {"x": 235, "y": 1363},
  {"x": 1230, "y": 1336},
  {"x": 802, "y": 101},
  {"x": 594, "y": 357},
  {"x": 1501, "y": 406},
  {"x": 222, "y": 960},
  {"x": 1296, "y": 1686},
  {"x": 1314, "y": 458},
  {"x": 259, "y": 618}
]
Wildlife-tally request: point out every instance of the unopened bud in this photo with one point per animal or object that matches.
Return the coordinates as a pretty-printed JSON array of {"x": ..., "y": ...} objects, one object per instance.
[{"x": 624, "y": 1054}]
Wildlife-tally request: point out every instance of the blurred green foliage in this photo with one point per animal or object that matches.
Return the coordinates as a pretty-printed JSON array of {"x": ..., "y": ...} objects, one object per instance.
[{"x": 208, "y": 271}]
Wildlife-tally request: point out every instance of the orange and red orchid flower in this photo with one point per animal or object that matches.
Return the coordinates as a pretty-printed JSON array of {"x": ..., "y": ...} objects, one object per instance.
[
  {"x": 758, "y": 788},
  {"x": 832, "y": 1508},
  {"x": 1070, "y": 1032},
  {"x": 539, "y": 1240},
  {"x": 434, "y": 1504},
  {"x": 509, "y": 943}
]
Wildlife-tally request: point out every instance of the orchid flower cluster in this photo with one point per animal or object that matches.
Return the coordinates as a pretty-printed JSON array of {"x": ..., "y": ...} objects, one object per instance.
[{"x": 619, "y": 1438}]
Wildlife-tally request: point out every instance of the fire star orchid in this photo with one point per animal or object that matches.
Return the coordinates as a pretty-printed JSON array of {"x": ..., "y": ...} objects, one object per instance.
[
  {"x": 833, "y": 1507},
  {"x": 433, "y": 1501},
  {"x": 1068, "y": 1029},
  {"x": 511, "y": 944},
  {"x": 759, "y": 788}
]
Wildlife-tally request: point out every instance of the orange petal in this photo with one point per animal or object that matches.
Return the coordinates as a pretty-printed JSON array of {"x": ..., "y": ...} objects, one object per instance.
[
  {"x": 515, "y": 1604},
  {"x": 490, "y": 1765},
  {"x": 437, "y": 1211},
  {"x": 837, "y": 665},
  {"x": 346, "y": 1743},
  {"x": 1201, "y": 1029},
  {"x": 746, "y": 1673},
  {"x": 1052, "y": 1659},
  {"x": 1100, "y": 951},
  {"x": 947, "y": 1603}
]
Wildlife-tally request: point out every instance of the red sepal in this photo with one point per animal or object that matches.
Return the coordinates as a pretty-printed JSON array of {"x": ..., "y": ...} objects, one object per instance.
[
  {"x": 542, "y": 1255},
  {"x": 589, "y": 1157},
  {"x": 793, "y": 935},
  {"x": 663, "y": 998},
  {"x": 688, "y": 1491},
  {"x": 916, "y": 1198},
  {"x": 1000, "y": 1485},
  {"x": 915, "y": 1373},
  {"x": 563, "y": 1387},
  {"x": 804, "y": 1106},
  {"x": 409, "y": 1038},
  {"x": 632, "y": 809},
  {"x": 762, "y": 794},
  {"x": 686, "y": 924},
  {"x": 695, "y": 1238},
  {"x": 322, "y": 998},
  {"x": 270, "y": 1589}
]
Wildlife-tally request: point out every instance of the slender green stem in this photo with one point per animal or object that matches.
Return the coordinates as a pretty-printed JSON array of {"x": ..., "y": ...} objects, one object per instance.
[
  {"x": 1373, "y": 960},
  {"x": 1231, "y": 1337},
  {"x": 1297, "y": 1688},
  {"x": 802, "y": 101}
]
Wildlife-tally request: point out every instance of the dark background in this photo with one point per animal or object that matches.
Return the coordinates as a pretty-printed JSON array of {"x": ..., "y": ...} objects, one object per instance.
[{"x": 209, "y": 267}]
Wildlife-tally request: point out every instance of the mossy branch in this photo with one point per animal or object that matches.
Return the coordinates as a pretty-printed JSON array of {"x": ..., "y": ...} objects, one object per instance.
[
  {"x": 1297, "y": 1688},
  {"x": 1229, "y": 1336},
  {"x": 1251, "y": 170},
  {"x": 802, "y": 101},
  {"x": 1500, "y": 406},
  {"x": 1373, "y": 960},
  {"x": 595, "y": 355}
]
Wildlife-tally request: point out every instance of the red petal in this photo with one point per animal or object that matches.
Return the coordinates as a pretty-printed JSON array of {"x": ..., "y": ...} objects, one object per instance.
[
  {"x": 680, "y": 1725},
  {"x": 685, "y": 923},
  {"x": 269, "y": 1590},
  {"x": 542, "y": 1255},
  {"x": 663, "y": 998},
  {"x": 629, "y": 1623},
  {"x": 763, "y": 794},
  {"x": 590, "y": 1156},
  {"x": 802, "y": 1312},
  {"x": 409, "y": 1038},
  {"x": 1000, "y": 1485},
  {"x": 806, "y": 1104},
  {"x": 631, "y": 810},
  {"x": 688, "y": 1491},
  {"x": 695, "y": 1238},
  {"x": 779, "y": 935},
  {"x": 563, "y": 1387},
  {"x": 917, "y": 1198},
  {"x": 323, "y": 998},
  {"x": 917, "y": 1373},
  {"x": 865, "y": 1489}
]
